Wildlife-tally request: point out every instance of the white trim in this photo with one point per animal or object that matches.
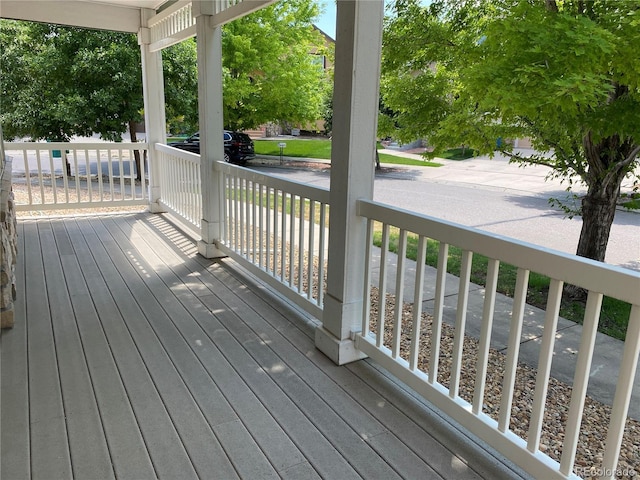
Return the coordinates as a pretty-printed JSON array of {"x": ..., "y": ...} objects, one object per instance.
[{"x": 119, "y": 18}]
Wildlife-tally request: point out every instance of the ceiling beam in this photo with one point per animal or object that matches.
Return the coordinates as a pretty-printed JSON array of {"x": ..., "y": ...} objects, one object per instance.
[{"x": 75, "y": 13}]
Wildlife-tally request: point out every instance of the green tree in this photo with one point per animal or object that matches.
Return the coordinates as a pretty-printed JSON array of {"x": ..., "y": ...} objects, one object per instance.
[
  {"x": 269, "y": 74},
  {"x": 180, "y": 70},
  {"x": 58, "y": 82},
  {"x": 564, "y": 74}
]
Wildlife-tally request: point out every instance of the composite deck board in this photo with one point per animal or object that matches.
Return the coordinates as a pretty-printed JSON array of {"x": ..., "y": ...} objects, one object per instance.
[
  {"x": 88, "y": 447},
  {"x": 276, "y": 445},
  {"x": 362, "y": 422},
  {"x": 330, "y": 460},
  {"x": 126, "y": 445},
  {"x": 172, "y": 421},
  {"x": 14, "y": 388},
  {"x": 120, "y": 319},
  {"x": 183, "y": 367},
  {"x": 48, "y": 430}
]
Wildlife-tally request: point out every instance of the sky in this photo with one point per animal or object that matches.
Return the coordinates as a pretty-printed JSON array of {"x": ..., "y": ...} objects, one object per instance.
[{"x": 327, "y": 22}]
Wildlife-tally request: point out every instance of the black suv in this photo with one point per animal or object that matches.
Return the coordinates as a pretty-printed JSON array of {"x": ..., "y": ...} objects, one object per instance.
[{"x": 238, "y": 147}]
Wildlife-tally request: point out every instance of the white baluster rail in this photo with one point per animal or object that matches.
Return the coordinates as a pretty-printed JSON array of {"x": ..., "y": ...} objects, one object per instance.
[
  {"x": 596, "y": 278},
  {"x": 278, "y": 230},
  {"x": 60, "y": 175},
  {"x": 180, "y": 184}
]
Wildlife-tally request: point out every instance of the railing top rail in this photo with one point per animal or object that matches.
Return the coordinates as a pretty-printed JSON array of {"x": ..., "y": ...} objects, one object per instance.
[
  {"x": 178, "y": 152},
  {"x": 75, "y": 145},
  {"x": 610, "y": 280},
  {"x": 319, "y": 194},
  {"x": 159, "y": 17}
]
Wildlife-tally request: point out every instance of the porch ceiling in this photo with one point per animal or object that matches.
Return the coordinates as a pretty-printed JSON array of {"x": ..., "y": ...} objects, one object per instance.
[{"x": 117, "y": 15}]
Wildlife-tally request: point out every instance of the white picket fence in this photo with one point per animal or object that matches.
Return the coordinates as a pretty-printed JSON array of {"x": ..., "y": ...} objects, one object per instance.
[{"x": 62, "y": 176}]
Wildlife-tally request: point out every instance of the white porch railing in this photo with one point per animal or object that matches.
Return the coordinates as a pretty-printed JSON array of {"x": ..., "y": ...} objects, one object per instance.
[
  {"x": 180, "y": 184},
  {"x": 59, "y": 176},
  {"x": 278, "y": 230},
  {"x": 598, "y": 279},
  {"x": 275, "y": 228}
]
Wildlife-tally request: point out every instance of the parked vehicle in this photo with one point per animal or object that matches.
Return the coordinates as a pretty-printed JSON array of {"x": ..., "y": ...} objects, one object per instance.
[{"x": 238, "y": 147}]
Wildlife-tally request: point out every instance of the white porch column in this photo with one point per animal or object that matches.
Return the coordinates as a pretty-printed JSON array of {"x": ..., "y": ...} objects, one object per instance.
[
  {"x": 154, "y": 114},
  {"x": 355, "y": 100},
  {"x": 211, "y": 124}
]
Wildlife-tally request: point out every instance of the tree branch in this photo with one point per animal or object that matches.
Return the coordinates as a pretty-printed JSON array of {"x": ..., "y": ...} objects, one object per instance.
[
  {"x": 615, "y": 171},
  {"x": 551, "y": 5}
]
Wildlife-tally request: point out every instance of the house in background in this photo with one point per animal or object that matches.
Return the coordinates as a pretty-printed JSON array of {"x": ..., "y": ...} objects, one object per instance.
[{"x": 323, "y": 57}]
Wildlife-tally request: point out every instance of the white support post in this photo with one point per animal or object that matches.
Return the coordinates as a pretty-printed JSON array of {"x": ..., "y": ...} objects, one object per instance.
[
  {"x": 211, "y": 121},
  {"x": 355, "y": 100},
  {"x": 154, "y": 113}
]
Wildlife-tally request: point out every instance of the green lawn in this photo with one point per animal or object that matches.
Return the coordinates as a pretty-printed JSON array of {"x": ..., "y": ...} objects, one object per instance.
[
  {"x": 458, "y": 154},
  {"x": 614, "y": 316},
  {"x": 321, "y": 149}
]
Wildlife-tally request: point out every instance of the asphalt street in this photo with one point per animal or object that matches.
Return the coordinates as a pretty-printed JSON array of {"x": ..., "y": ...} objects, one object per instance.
[{"x": 491, "y": 195}]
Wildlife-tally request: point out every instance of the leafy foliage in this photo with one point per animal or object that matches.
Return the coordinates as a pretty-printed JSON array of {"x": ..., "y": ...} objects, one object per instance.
[
  {"x": 58, "y": 82},
  {"x": 269, "y": 73},
  {"x": 561, "y": 73},
  {"x": 63, "y": 81}
]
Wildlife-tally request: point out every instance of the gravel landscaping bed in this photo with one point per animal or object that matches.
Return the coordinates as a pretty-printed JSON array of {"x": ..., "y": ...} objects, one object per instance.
[{"x": 595, "y": 418}]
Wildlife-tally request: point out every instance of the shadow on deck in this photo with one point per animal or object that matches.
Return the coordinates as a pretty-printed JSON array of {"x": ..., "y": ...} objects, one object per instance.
[{"x": 133, "y": 357}]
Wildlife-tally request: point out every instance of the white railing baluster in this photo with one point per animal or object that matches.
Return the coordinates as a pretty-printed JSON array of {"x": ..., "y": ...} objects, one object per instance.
[
  {"x": 311, "y": 248},
  {"x": 382, "y": 285},
  {"x": 254, "y": 223},
  {"x": 77, "y": 174},
  {"x": 283, "y": 237},
  {"x": 53, "y": 176},
  {"x": 513, "y": 348},
  {"x": 261, "y": 225},
  {"x": 276, "y": 236},
  {"x": 485, "y": 334},
  {"x": 25, "y": 159},
  {"x": 268, "y": 233},
  {"x": 397, "y": 317},
  {"x": 366, "y": 310},
  {"x": 110, "y": 170},
  {"x": 580, "y": 381},
  {"x": 461, "y": 319},
  {"x": 87, "y": 161},
  {"x": 40, "y": 178},
  {"x": 417, "y": 302},
  {"x": 301, "y": 249},
  {"x": 438, "y": 308},
  {"x": 65, "y": 179},
  {"x": 292, "y": 236},
  {"x": 622, "y": 397},
  {"x": 322, "y": 247},
  {"x": 544, "y": 365}
]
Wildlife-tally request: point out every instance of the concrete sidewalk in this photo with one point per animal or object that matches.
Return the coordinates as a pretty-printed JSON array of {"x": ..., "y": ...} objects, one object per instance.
[{"x": 607, "y": 355}]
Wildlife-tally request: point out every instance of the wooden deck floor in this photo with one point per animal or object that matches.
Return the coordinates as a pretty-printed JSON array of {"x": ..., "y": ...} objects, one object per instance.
[{"x": 133, "y": 357}]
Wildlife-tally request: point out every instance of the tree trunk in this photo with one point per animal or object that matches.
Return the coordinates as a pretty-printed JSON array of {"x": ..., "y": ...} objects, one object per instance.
[
  {"x": 598, "y": 211},
  {"x": 136, "y": 153}
]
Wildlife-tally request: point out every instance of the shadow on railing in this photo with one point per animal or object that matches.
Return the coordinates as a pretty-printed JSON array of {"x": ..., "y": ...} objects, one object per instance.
[{"x": 60, "y": 176}]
